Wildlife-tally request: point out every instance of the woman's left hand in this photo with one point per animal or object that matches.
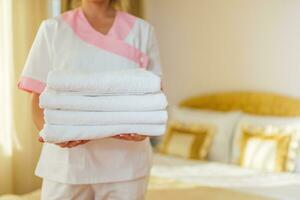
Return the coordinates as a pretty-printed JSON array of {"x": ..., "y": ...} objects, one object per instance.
[
  {"x": 131, "y": 137},
  {"x": 72, "y": 144}
]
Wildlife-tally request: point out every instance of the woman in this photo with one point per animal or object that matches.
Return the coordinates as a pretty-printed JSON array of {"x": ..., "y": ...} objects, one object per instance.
[{"x": 92, "y": 38}]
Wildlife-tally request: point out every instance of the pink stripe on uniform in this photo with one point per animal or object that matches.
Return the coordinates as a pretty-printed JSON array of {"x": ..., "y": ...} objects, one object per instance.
[
  {"x": 86, "y": 32},
  {"x": 31, "y": 85}
]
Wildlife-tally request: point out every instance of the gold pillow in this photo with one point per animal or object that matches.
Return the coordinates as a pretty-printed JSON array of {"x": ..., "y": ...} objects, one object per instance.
[
  {"x": 190, "y": 141},
  {"x": 268, "y": 152}
]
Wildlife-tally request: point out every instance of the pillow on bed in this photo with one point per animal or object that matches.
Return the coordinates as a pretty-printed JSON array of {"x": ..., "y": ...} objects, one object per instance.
[
  {"x": 267, "y": 152},
  {"x": 269, "y": 127},
  {"x": 189, "y": 141},
  {"x": 223, "y": 124}
]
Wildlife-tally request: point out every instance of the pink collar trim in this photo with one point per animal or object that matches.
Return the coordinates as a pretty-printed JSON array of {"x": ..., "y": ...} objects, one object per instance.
[{"x": 113, "y": 41}]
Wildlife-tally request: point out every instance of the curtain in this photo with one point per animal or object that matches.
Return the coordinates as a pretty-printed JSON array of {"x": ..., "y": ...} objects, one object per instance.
[
  {"x": 5, "y": 100},
  {"x": 19, "y": 149},
  {"x": 65, "y": 5},
  {"x": 132, "y": 6}
]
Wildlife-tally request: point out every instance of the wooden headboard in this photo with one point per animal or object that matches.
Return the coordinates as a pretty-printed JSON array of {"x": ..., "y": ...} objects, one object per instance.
[{"x": 259, "y": 103}]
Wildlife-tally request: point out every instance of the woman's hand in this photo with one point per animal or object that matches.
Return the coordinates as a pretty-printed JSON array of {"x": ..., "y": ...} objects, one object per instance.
[
  {"x": 72, "y": 144},
  {"x": 69, "y": 144},
  {"x": 131, "y": 137}
]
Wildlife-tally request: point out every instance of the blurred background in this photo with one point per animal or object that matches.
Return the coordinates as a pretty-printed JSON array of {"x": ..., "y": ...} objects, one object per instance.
[{"x": 231, "y": 74}]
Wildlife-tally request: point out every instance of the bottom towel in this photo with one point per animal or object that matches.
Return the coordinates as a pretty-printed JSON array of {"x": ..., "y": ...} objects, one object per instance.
[{"x": 60, "y": 133}]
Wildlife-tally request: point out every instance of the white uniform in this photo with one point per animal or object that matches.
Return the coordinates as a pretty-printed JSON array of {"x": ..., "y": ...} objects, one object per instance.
[{"x": 70, "y": 42}]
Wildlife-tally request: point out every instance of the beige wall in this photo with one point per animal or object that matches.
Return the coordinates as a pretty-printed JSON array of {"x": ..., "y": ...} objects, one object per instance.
[{"x": 213, "y": 45}]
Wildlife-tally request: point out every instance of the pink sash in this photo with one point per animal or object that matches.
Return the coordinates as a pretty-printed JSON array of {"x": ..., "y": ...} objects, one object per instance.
[{"x": 113, "y": 41}]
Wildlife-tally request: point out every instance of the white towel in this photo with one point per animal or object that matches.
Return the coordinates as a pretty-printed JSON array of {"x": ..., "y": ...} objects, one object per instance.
[
  {"x": 49, "y": 99},
  {"x": 61, "y": 117},
  {"x": 127, "y": 81},
  {"x": 58, "y": 133}
]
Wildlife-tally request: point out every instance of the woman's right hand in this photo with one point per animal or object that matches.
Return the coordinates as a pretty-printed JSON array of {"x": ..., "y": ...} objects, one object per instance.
[{"x": 69, "y": 144}]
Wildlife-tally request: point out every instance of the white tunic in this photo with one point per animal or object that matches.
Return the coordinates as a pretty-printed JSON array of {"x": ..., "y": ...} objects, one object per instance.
[{"x": 70, "y": 42}]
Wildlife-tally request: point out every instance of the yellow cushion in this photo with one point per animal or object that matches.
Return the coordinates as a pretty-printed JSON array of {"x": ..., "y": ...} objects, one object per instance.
[
  {"x": 187, "y": 140},
  {"x": 268, "y": 152},
  {"x": 259, "y": 103}
]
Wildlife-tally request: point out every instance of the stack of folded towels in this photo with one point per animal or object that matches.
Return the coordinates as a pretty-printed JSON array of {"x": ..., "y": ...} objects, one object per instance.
[{"x": 80, "y": 106}]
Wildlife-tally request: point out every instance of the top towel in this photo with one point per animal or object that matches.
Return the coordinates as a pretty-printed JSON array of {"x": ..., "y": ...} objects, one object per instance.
[{"x": 115, "y": 82}]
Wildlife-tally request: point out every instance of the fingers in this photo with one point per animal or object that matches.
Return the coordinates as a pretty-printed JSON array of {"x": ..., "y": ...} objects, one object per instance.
[
  {"x": 122, "y": 137},
  {"x": 140, "y": 137},
  {"x": 84, "y": 141},
  {"x": 131, "y": 137},
  {"x": 63, "y": 144},
  {"x": 41, "y": 139},
  {"x": 126, "y": 137},
  {"x": 117, "y": 137},
  {"x": 72, "y": 144}
]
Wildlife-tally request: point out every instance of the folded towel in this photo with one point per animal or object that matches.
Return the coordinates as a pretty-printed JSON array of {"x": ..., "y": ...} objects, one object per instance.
[
  {"x": 127, "y": 81},
  {"x": 49, "y": 99},
  {"x": 58, "y": 133},
  {"x": 61, "y": 117}
]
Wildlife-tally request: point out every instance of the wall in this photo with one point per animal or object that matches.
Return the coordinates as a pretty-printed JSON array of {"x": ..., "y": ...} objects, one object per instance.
[{"x": 219, "y": 45}]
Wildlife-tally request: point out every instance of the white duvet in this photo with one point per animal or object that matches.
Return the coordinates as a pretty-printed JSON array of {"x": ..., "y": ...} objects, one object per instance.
[{"x": 276, "y": 185}]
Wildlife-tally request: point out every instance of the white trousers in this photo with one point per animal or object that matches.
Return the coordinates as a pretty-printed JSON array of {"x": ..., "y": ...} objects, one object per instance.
[{"x": 127, "y": 190}]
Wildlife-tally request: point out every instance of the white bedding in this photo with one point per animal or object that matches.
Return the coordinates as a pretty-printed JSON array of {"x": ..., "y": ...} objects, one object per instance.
[{"x": 276, "y": 185}]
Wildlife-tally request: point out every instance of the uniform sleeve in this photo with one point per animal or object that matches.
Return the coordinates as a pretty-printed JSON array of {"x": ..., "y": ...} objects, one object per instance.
[
  {"x": 38, "y": 63},
  {"x": 154, "y": 64}
]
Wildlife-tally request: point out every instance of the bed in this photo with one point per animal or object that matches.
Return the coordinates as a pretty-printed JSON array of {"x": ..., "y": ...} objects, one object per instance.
[
  {"x": 231, "y": 177},
  {"x": 217, "y": 175}
]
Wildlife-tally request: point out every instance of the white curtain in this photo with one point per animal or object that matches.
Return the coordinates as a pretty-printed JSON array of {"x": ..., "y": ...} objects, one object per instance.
[
  {"x": 6, "y": 64},
  {"x": 19, "y": 149}
]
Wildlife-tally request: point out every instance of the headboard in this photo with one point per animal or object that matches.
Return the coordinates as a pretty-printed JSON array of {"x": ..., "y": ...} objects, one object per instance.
[{"x": 259, "y": 103}]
